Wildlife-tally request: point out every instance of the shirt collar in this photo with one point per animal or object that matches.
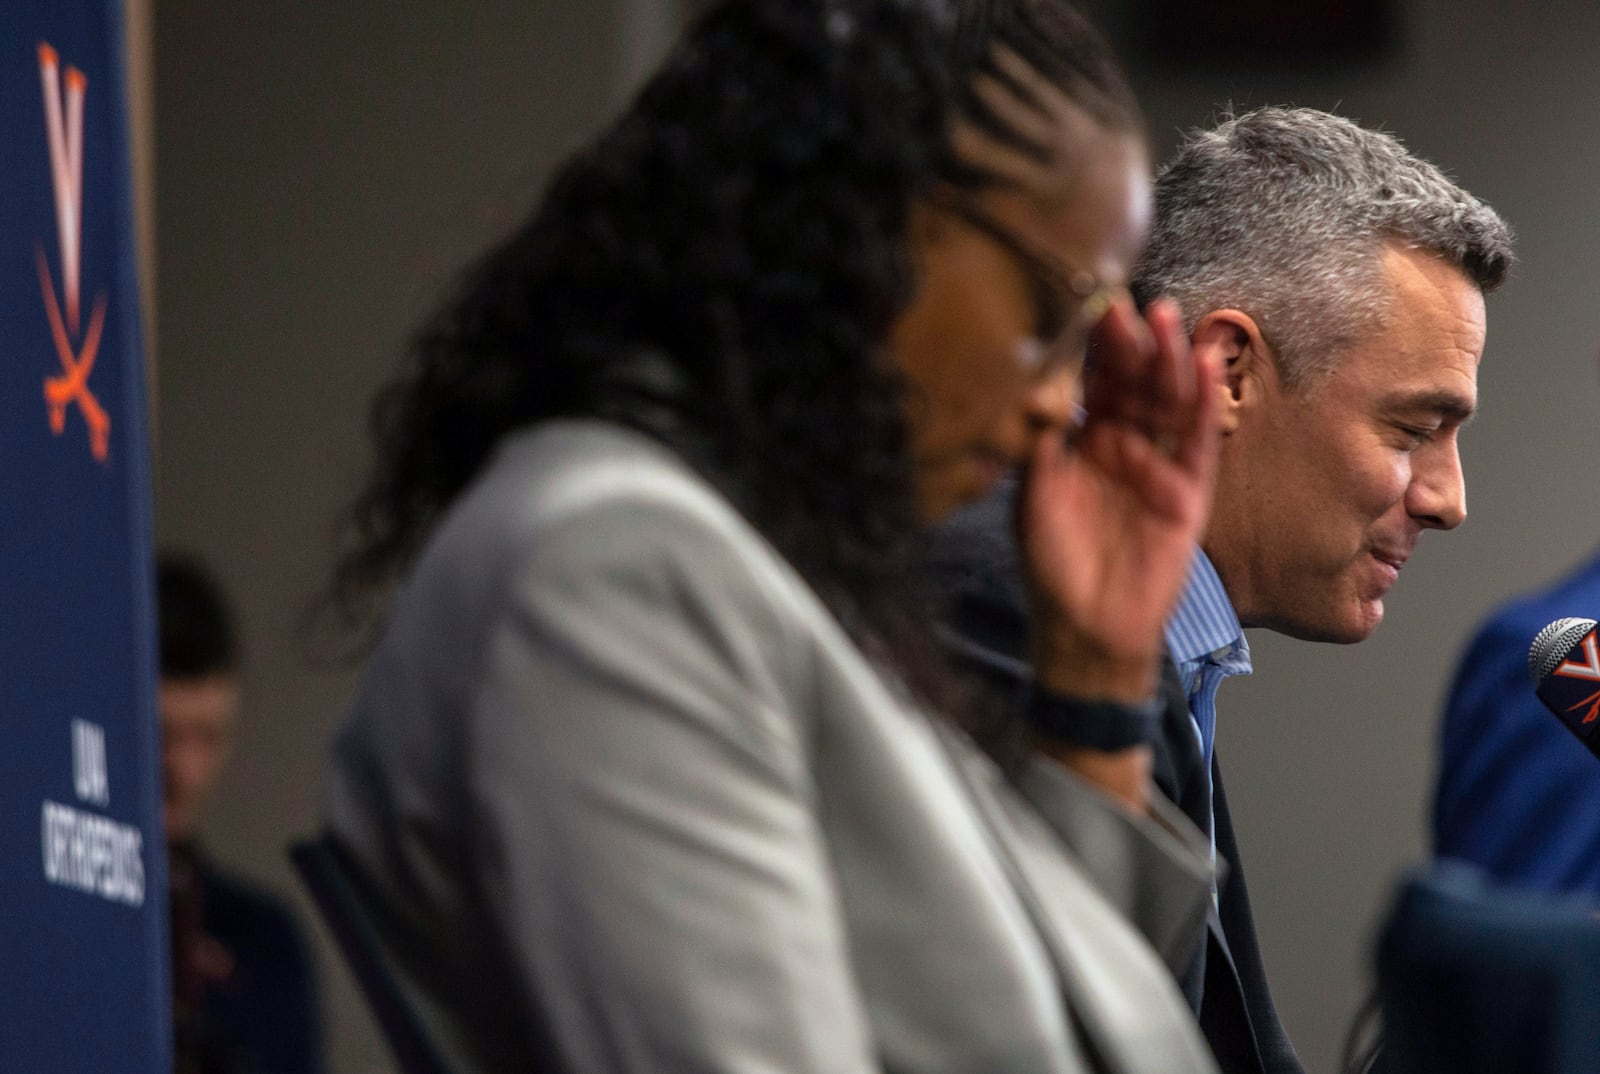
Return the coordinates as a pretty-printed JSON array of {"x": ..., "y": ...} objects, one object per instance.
[{"x": 1204, "y": 622}]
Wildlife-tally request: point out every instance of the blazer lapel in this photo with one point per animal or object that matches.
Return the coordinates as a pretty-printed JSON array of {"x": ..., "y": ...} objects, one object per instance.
[{"x": 1089, "y": 939}]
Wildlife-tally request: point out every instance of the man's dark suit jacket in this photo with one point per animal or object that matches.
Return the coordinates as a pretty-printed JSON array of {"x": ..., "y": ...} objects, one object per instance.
[
  {"x": 974, "y": 560},
  {"x": 258, "y": 1012}
]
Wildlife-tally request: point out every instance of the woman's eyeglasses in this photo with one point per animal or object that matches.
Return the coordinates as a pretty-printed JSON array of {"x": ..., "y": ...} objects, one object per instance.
[{"x": 1067, "y": 302}]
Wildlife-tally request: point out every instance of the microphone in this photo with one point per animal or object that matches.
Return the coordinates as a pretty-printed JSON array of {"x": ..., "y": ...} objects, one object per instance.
[{"x": 1564, "y": 662}]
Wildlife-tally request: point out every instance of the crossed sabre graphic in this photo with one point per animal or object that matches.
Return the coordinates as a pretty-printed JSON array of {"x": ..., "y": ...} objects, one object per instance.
[
  {"x": 1589, "y": 669},
  {"x": 65, "y": 134},
  {"x": 73, "y": 385}
]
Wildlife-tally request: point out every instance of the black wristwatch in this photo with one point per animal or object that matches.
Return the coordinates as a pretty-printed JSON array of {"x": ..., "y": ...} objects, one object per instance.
[{"x": 1096, "y": 725}]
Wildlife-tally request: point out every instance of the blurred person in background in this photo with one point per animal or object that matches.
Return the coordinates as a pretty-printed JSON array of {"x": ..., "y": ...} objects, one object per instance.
[
  {"x": 1517, "y": 794},
  {"x": 244, "y": 989}
]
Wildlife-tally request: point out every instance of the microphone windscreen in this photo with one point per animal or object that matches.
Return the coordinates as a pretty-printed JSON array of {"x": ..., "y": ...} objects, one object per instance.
[{"x": 1552, "y": 644}]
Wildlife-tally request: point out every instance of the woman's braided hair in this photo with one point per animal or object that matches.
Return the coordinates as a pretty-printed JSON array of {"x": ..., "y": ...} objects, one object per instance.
[{"x": 720, "y": 270}]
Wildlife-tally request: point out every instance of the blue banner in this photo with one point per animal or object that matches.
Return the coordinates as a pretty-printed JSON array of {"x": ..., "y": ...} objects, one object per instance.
[{"x": 83, "y": 907}]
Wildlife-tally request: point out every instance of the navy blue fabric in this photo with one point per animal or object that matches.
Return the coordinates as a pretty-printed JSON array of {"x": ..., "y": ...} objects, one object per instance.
[
  {"x": 264, "y": 1018},
  {"x": 973, "y": 558},
  {"x": 1517, "y": 794}
]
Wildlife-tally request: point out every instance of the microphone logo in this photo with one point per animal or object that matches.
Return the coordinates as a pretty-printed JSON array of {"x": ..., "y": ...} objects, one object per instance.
[
  {"x": 1564, "y": 662},
  {"x": 1590, "y": 668}
]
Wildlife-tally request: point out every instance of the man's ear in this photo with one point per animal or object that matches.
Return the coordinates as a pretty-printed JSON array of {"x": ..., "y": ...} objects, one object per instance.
[{"x": 1234, "y": 340}]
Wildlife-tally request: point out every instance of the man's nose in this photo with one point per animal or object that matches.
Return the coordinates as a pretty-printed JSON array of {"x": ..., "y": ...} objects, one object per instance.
[{"x": 1437, "y": 497}]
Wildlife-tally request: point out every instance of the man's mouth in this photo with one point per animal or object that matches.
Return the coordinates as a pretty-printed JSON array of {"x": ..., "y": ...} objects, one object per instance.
[
  {"x": 1392, "y": 559},
  {"x": 1395, "y": 557}
]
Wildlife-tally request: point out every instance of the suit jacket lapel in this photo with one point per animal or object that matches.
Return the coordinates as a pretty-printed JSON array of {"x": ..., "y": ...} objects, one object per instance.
[{"x": 1089, "y": 937}]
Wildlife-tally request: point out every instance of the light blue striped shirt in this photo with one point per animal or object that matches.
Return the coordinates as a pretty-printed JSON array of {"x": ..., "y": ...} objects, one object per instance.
[{"x": 1207, "y": 643}]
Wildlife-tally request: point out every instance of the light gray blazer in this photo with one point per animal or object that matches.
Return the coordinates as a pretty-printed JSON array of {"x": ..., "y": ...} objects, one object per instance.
[{"x": 621, "y": 791}]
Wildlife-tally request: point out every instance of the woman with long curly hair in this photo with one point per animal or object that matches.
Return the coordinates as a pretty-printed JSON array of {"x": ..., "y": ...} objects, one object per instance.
[{"x": 656, "y": 763}]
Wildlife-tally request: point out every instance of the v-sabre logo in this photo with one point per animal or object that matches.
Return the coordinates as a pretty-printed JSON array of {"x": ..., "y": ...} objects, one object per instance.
[
  {"x": 63, "y": 122},
  {"x": 1589, "y": 669}
]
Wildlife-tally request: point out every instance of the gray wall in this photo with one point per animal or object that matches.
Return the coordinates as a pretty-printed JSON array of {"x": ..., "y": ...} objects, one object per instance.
[{"x": 322, "y": 169}]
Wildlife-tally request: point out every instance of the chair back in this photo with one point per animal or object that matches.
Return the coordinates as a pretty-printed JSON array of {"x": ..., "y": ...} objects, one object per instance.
[
  {"x": 324, "y": 869},
  {"x": 1475, "y": 978}
]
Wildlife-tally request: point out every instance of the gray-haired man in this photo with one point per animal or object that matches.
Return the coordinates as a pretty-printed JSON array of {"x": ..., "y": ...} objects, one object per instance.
[{"x": 1340, "y": 280}]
